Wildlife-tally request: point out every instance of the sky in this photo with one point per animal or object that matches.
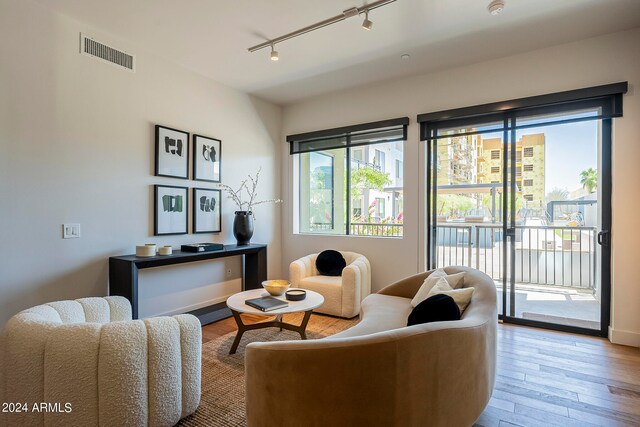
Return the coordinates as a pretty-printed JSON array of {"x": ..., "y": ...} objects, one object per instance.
[{"x": 569, "y": 149}]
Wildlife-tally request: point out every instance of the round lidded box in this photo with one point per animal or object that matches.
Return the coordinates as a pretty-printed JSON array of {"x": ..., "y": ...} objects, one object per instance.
[
  {"x": 276, "y": 287},
  {"x": 146, "y": 250},
  {"x": 296, "y": 294}
]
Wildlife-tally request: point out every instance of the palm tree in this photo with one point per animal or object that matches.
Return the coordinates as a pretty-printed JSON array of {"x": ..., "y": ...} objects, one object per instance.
[{"x": 589, "y": 179}]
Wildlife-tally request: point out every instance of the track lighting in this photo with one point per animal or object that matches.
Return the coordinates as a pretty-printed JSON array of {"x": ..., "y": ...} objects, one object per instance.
[
  {"x": 346, "y": 14},
  {"x": 366, "y": 24}
]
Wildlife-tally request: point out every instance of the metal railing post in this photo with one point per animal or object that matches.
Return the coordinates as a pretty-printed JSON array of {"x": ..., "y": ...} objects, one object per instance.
[{"x": 469, "y": 244}]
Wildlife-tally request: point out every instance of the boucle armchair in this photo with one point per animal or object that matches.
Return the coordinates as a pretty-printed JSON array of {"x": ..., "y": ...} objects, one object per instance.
[
  {"x": 342, "y": 294},
  {"x": 109, "y": 369}
]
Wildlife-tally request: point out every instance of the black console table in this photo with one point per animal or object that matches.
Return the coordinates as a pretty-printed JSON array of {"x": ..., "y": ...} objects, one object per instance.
[{"x": 123, "y": 274}]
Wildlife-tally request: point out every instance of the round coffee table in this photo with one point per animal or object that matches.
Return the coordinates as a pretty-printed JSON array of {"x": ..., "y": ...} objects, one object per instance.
[{"x": 238, "y": 307}]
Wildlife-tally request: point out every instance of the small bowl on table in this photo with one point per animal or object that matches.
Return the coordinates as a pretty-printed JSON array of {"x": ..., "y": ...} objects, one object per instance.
[{"x": 276, "y": 287}]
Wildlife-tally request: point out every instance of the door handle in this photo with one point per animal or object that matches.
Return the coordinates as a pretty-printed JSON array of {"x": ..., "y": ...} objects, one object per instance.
[{"x": 603, "y": 238}]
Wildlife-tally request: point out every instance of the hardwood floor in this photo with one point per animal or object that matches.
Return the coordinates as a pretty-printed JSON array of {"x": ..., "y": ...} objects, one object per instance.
[{"x": 548, "y": 378}]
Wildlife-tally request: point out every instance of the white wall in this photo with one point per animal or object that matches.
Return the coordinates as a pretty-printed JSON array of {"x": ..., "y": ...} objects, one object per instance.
[
  {"x": 76, "y": 145},
  {"x": 607, "y": 59}
]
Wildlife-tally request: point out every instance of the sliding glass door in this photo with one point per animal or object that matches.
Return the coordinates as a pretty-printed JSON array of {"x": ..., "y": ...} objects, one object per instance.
[{"x": 525, "y": 197}]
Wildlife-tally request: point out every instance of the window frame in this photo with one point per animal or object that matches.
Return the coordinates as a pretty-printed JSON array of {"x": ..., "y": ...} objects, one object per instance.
[
  {"x": 312, "y": 142},
  {"x": 333, "y": 197}
]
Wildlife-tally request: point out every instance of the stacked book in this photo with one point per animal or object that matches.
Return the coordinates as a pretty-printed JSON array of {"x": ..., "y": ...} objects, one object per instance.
[{"x": 266, "y": 303}]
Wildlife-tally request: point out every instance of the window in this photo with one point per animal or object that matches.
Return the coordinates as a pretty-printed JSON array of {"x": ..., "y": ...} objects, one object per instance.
[
  {"x": 495, "y": 154},
  {"x": 380, "y": 208},
  {"x": 581, "y": 134},
  {"x": 528, "y": 183},
  {"x": 495, "y": 169},
  {"x": 321, "y": 189},
  {"x": 356, "y": 208},
  {"x": 399, "y": 169},
  {"x": 398, "y": 205},
  {"x": 342, "y": 183},
  {"x": 357, "y": 155},
  {"x": 378, "y": 160},
  {"x": 528, "y": 168}
]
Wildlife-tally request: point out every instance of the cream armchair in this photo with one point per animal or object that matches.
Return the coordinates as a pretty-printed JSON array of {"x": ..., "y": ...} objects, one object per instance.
[
  {"x": 99, "y": 366},
  {"x": 342, "y": 294}
]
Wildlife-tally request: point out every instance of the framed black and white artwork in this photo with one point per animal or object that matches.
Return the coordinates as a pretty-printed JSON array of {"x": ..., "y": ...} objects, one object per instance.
[
  {"x": 172, "y": 152},
  {"x": 207, "y": 158},
  {"x": 207, "y": 212},
  {"x": 170, "y": 210}
]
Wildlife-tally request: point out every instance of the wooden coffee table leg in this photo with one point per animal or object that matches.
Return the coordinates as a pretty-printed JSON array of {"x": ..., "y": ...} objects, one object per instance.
[
  {"x": 241, "y": 329},
  {"x": 278, "y": 323},
  {"x": 303, "y": 325}
]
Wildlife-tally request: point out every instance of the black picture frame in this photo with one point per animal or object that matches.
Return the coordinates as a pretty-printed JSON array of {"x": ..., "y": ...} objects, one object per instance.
[
  {"x": 207, "y": 158},
  {"x": 170, "y": 214},
  {"x": 171, "y": 152},
  {"x": 206, "y": 218}
]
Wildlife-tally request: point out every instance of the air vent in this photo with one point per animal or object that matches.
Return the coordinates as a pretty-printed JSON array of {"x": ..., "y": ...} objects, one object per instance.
[{"x": 91, "y": 47}]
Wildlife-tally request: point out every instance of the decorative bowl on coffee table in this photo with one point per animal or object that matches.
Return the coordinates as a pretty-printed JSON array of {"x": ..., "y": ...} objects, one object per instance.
[{"x": 276, "y": 287}]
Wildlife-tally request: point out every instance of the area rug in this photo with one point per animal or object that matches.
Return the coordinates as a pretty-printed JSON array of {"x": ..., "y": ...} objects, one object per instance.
[{"x": 222, "y": 403}]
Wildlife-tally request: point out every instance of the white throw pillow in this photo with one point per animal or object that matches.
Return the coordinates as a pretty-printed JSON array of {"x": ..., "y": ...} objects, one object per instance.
[
  {"x": 462, "y": 297},
  {"x": 454, "y": 281}
]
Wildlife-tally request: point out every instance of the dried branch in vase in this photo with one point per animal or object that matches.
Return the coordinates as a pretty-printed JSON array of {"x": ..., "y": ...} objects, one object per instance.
[{"x": 249, "y": 191}]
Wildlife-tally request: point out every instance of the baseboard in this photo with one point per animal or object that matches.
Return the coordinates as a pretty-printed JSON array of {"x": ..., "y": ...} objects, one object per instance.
[
  {"x": 617, "y": 336},
  {"x": 193, "y": 307}
]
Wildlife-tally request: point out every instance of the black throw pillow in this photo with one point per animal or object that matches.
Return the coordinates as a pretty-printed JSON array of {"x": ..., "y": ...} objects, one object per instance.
[
  {"x": 330, "y": 263},
  {"x": 437, "y": 308}
]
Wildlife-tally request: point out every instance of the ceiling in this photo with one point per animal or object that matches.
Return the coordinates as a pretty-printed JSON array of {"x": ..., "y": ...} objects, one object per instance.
[{"x": 211, "y": 37}]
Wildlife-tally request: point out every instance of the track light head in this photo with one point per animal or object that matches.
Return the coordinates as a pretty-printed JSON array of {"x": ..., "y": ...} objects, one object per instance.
[
  {"x": 352, "y": 12},
  {"x": 366, "y": 24}
]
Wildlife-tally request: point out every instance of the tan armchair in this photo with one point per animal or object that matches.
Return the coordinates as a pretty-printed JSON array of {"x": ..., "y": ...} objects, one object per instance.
[{"x": 342, "y": 294}]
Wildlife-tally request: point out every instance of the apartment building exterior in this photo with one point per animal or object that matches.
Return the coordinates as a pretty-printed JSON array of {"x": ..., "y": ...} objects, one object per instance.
[
  {"x": 530, "y": 166},
  {"x": 458, "y": 160}
]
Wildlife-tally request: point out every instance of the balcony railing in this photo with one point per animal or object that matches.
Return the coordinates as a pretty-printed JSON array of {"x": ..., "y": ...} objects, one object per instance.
[
  {"x": 362, "y": 164},
  {"x": 320, "y": 226},
  {"x": 362, "y": 229},
  {"x": 547, "y": 255},
  {"x": 376, "y": 229}
]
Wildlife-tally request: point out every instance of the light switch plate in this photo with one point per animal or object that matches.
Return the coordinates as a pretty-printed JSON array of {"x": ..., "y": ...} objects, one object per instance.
[{"x": 70, "y": 231}]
